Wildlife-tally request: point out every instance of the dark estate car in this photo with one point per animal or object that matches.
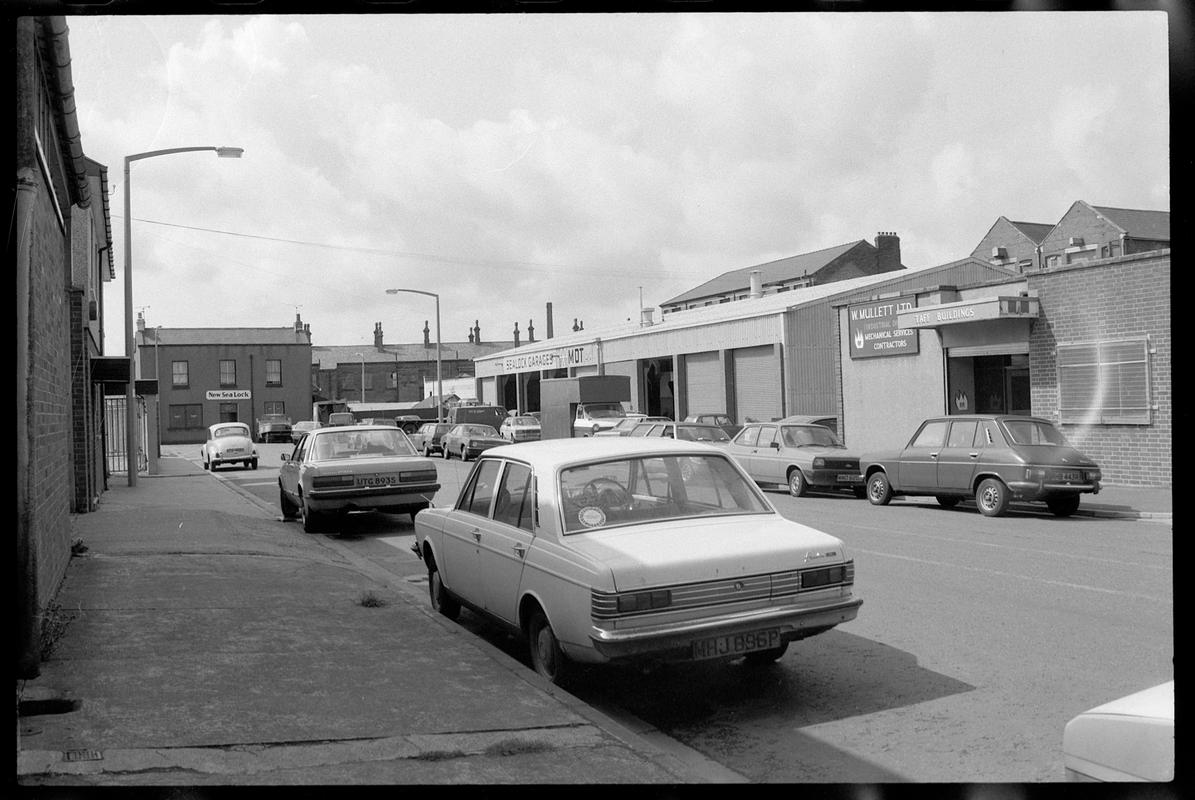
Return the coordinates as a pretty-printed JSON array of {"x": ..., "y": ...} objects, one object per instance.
[
  {"x": 991, "y": 458},
  {"x": 426, "y": 439}
]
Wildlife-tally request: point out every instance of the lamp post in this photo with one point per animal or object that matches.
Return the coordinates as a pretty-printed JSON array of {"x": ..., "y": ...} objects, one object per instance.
[
  {"x": 439, "y": 368},
  {"x": 362, "y": 357},
  {"x": 158, "y": 380},
  {"x": 131, "y": 460}
]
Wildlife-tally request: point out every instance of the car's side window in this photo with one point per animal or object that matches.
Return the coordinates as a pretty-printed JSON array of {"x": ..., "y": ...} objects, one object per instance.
[
  {"x": 962, "y": 433},
  {"x": 749, "y": 436},
  {"x": 480, "y": 490},
  {"x": 932, "y": 434},
  {"x": 767, "y": 435},
  {"x": 513, "y": 503}
]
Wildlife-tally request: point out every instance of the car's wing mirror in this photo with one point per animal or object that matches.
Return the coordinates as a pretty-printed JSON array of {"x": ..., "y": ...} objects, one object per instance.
[
  {"x": 286, "y": 456},
  {"x": 776, "y": 445}
]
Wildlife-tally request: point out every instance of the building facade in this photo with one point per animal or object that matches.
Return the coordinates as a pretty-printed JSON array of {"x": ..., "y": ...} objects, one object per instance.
[{"x": 210, "y": 375}]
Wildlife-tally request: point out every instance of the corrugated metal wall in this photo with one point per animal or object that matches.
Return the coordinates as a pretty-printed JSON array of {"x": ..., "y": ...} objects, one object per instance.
[
  {"x": 757, "y": 376},
  {"x": 811, "y": 356},
  {"x": 704, "y": 389}
]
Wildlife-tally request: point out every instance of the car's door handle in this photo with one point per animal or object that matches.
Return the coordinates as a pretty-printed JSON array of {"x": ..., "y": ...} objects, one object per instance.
[
  {"x": 933, "y": 455},
  {"x": 476, "y": 532},
  {"x": 974, "y": 455},
  {"x": 520, "y": 550}
]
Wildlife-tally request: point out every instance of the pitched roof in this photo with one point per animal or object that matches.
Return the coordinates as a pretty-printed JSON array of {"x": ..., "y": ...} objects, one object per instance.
[
  {"x": 328, "y": 356},
  {"x": 771, "y": 272},
  {"x": 1139, "y": 224},
  {"x": 1033, "y": 230},
  {"x": 221, "y": 336}
]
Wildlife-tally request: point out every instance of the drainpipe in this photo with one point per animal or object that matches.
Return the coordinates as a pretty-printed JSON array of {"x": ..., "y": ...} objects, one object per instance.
[{"x": 28, "y": 613}]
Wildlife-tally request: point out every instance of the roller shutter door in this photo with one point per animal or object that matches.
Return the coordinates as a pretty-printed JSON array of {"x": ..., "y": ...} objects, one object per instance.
[
  {"x": 703, "y": 383},
  {"x": 489, "y": 391},
  {"x": 757, "y": 384}
]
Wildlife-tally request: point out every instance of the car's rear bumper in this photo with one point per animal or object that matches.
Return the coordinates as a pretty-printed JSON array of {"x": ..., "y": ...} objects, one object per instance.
[
  {"x": 675, "y": 641},
  {"x": 370, "y": 499},
  {"x": 1040, "y": 490}
]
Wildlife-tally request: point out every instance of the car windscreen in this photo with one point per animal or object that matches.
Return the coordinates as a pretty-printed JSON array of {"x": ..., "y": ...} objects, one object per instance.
[
  {"x": 605, "y": 411},
  {"x": 361, "y": 444},
  {"x": 480, "y": 430},
  {"x": 1032, "y": 431},
  {"x": 808, "y": 435},
  {"x": 643, "y": 489}
]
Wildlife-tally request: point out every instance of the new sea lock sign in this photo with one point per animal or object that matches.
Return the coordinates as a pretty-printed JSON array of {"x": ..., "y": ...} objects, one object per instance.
[{"x": 874, "y": 332}]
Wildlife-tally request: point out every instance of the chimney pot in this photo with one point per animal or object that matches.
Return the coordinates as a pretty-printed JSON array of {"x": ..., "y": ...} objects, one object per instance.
[{"x": 756, "y": 284}]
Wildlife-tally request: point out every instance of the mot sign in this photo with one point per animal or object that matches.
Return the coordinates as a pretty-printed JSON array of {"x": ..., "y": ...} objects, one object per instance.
[{"x": 874, "y": 332}]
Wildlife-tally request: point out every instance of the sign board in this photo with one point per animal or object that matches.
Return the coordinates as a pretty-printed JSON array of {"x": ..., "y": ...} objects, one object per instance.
[
  {"x": 988, "y": 308},
  {"x": 874, "y": 331},
  {"x": 228, "y": 394},
  {"x": 558, "y": 358}
]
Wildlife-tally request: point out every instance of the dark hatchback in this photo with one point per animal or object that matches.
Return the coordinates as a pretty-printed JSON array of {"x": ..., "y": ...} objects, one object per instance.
[{"x": 993, "y": 459}]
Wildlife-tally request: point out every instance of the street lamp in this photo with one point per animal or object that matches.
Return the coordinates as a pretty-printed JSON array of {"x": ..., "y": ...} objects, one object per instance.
[
  {"x": 439, "y": 368},
  {"x": 362, "y": 357},
  {"x": 129, "y": 344}
]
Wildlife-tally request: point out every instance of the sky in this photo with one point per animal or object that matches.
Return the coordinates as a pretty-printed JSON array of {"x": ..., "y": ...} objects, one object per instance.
[{"x": 590, "y": 161}]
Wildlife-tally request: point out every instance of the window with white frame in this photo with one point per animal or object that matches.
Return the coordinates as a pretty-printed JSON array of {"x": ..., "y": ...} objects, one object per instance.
[
  {"x": 180, "y": 374},
  {"x": 228, "y": 375},
  {"x": 1104, "y": 382},
  {"x": 273, "y": 372}
]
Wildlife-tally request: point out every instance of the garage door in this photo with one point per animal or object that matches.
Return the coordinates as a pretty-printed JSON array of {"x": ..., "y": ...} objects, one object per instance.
[
  {"x": 703, "y": 384},
  {"x": 757, "y": 384}
]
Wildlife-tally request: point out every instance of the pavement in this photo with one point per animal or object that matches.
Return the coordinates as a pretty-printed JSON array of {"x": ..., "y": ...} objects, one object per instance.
[
  {"x": 205, "y": 642},
  {"x": 201, "y": 641}
]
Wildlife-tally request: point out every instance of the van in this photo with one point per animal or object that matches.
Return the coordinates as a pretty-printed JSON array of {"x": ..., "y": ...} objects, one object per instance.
[{"x": 342, "y": 418}]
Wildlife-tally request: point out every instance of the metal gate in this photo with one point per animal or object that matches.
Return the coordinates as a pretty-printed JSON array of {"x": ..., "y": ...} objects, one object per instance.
[{"x": 114, "y": 435}]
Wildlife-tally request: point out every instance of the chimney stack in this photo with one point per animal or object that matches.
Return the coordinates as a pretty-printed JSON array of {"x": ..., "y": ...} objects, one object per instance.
[
  {"x": 477, "y": 332},
  {"x": 377, "y": 335},
  {"x": 298, "y": 323},
  {"x": 140, "y": 321},
  {"x": 427, "y": 335},
  {"x": 549, "y": 321},
  {"x": 516, "y": 334},
  {"x": 645, "y": 317},
  {"x": 756, "y": 284},
  {"x": 887, "y": 246},
  {"x": 530, "y": 332}
]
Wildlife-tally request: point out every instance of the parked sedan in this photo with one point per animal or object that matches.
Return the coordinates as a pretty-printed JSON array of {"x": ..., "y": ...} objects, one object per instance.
[
  {"x": 299, "y": 429},
  {"x": 723, "y": 421},
  {"x": 685, "y": 431},
  {"x": 520, "y": 428},
  {"x": 631, "y": 550},
  {"x": 993, "y": 458},
  {"x": 229, "y": 443},
  {"x": 469, "y": 441},
  {"x": 337, "y": 470},
  {"x": 801, "y": 457},
  {"x": 428, "y": 438}
]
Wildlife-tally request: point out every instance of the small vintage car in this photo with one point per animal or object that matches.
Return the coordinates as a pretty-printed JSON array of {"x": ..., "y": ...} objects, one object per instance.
[
  {"x": 993, "y": 458},
  {"x": 300, "y": 429},
  {"x": 469, "y": 440},
  {"x": 228, "y": 443},
  {"x": 723, "y": 421},
  {"x": 1130, "y": 739},
  {"x": 801, "y": 457},
  {"x": 631, "y": 550},
  {"x": 427, "y": 438},
  {"x": 685, "y": 431},
  {"x": 337, "y": 470},
  {"x": 519, "y": 428}
]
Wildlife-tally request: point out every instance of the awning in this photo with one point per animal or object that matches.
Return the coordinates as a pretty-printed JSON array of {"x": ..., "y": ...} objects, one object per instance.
[{"x": 989, "y": 308}]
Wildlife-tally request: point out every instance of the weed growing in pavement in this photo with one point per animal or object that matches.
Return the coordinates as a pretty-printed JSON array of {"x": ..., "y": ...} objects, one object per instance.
[
  {"x": 370, "y": 600},
  {"x": 54, "y": 623}
]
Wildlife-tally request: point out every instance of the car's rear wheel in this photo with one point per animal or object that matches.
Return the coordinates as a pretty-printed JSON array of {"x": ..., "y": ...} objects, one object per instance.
[
  {"x": 313, "y": 521},
  {"x": 444, "y": 453},
  {"x": 426, "y": 452},
  {"x": 761, "y": 658},
  {"x": 205, "y": 464},
  {"x": 464, "y": 454},
  {"x": 1063, "y": 505},
  {"x": 546, "y": 656},
  {"x": 991, "y": 497},
  {"x": 797, "y": 485},
  {"x": 879, "y": 491},
  {"x": 947, "y": 501},
  {"x": 441, "y": 600},
  {"x": 289, "y": 509}
]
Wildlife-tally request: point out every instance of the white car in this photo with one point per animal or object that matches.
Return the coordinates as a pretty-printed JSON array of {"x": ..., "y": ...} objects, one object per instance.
[
  {"x": 229, "y": 443},
  {"x": 631, "y": 549},
  {"x": 593, "y": 418},
  {"x": 337, "y": 470},
  {"x": 520, "y": 428},
  {"x": 1130, "y": 739}
]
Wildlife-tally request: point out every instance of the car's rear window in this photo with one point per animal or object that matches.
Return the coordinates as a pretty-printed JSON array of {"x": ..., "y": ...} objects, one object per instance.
[
  {"x": 361, "y": 444},
  {"x": 637, "y": 490},
  {"x": 1030, "y": 431},
  {"x": 232, "y": 430}
]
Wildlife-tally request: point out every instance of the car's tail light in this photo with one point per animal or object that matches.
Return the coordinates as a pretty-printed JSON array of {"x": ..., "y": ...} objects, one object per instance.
[
  {"x": 420, "y": 476},
  {"x": 331, "y": 481}
]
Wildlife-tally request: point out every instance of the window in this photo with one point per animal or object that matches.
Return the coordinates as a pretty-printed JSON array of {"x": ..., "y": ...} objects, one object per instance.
[
  {"x": 180, "y": 374},
  {"x": 748, "y": 436},
  {"x": 767, "y": 435},
  {"x": 477, "y": 495},
  {"x": 228, "y": 412},
  {"x": 274, "y": 407},
  {"x": 273, "y": 372},
  {"x": 962, "y": 433},
  {"x": 932, "y": 435},
  {"x": 514, "y": 502},
  {"x": 186, "y": 417},
  {"x": 1104, "y": 383},
  {"x": 228, "y": 372}
]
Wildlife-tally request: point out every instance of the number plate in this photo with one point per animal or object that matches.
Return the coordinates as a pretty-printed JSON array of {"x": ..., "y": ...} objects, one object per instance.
[
  {"x": 849, "y": 477},
  {"x": 377, "y": 480},
  {"x": 1069, "y": 476},
  {"x": 718, "y": 646}
]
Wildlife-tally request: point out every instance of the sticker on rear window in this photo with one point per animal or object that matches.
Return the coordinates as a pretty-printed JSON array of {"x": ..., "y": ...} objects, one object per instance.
[{"x": 591, "y": 517}]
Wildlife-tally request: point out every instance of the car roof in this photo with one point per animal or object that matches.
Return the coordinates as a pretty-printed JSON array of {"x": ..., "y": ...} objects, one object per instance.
[
  {"x": 552, "y": 453},
  {"x": 228, "y": 424},
  {"x": 353, "y": 428}
]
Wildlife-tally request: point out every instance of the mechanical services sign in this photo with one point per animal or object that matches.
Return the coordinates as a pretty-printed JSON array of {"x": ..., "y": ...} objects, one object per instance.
[{"x": 874, "y": 331}]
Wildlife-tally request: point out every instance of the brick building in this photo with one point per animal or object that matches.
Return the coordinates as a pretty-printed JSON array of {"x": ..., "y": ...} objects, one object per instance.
[
  {"x": 1015, "y": 245},
  {"x": 60, "y": 240}
]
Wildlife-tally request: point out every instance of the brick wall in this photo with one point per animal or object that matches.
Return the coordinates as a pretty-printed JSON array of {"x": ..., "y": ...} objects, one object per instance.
[
  {"x": 51, "y": 484},
  {"x": 1110, "y": 299}
]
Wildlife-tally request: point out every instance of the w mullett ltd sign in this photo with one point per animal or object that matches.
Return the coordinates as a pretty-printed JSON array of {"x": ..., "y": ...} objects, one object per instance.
[{"x": 874, "y": 331}]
